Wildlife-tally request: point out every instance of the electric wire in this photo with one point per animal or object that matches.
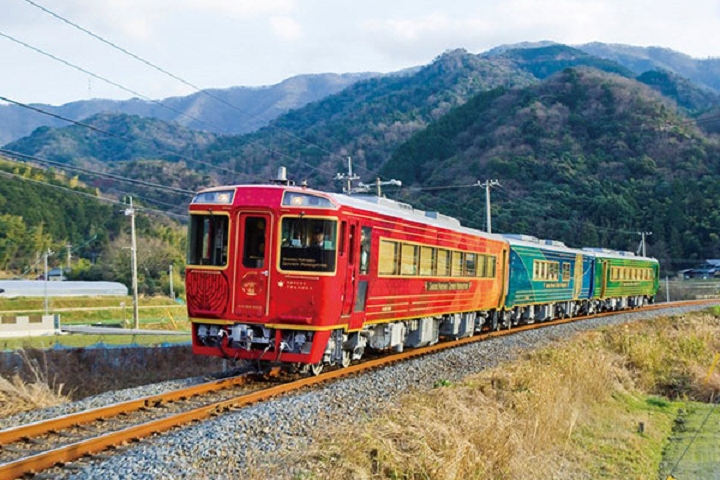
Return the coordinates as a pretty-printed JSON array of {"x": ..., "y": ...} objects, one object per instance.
[
  {"x": 85, "y": 194},
  {"x": 96, "y": 173},
  {"x": 99, "y": 77},
  {"x": 187, "y": 83},
  {"x": 38, "y": 110},
  {"x": 205, "y": 92}
]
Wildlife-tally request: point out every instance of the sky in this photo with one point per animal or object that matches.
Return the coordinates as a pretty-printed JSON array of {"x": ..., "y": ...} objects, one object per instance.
[{"x": 225, "y": 43}]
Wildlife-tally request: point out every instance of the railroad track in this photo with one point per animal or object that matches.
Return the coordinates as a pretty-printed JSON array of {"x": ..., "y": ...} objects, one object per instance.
[{"x": 35, "y": 447}]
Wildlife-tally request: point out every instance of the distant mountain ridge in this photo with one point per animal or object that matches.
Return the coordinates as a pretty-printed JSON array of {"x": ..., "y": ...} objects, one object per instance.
[
  {"x": 254, "y": 108},
  {"x": 247, "y": 109},
  {"x": 638, "y": 59}
]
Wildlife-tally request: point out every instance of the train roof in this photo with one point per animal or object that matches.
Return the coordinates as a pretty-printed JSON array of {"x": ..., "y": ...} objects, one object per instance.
[
  {"x": 394, "y": 208},
  {"x": 530, "y": 241},
  {"x": 607, "y": 253}
]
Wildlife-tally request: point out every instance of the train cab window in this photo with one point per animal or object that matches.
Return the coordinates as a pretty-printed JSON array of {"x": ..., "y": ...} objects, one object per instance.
[
  {"x": 308, "y": 244},
  {"x": 365, "y": 242},
  {"x": 208, "y": 240}
]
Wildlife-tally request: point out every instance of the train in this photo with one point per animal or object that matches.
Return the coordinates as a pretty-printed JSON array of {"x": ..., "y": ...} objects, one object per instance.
[{"x": 281, "y": 273}]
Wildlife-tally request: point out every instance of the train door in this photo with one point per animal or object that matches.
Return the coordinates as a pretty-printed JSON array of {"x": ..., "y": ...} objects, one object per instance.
[
  {"x": 252, "y": 268},
  {"x": 604, "y": 278},
  {"x": 356, "y": 283},
  {"x": 348, "y": 232}
]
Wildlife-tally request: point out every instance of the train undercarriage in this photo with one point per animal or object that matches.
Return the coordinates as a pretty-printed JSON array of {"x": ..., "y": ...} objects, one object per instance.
[{"x": 342, "y": 347}]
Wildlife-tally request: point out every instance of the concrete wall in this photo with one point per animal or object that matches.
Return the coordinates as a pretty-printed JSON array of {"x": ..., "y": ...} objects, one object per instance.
[{"x": 28, "y": 325}]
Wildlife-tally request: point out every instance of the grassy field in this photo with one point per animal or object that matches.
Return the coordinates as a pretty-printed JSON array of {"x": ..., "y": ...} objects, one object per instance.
[
  {"x": 601, "y": 405},
  {"x": 621, "y": 402},
  {"x": 156, "y": 313},
  {"x": 83, "y": 310}
]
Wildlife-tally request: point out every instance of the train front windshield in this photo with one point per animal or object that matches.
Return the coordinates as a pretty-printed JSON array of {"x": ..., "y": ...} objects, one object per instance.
[
  {"x": 308, "y": 244},
  {"x": 208, "y": 240}
]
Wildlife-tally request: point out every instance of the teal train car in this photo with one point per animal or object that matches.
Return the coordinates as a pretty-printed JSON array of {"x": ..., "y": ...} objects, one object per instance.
[
  {"x": 623, "y": 280},
  {"x": 546, "y": 280}
]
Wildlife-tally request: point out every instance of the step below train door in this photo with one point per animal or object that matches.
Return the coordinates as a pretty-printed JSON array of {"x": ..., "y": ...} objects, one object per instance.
[{"x": 252, "y": 268}]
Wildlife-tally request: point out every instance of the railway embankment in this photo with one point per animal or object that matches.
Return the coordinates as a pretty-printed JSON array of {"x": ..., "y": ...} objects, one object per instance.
[
  {"x": 621, "y": 402},
  {"x": 599, "y": 404}
]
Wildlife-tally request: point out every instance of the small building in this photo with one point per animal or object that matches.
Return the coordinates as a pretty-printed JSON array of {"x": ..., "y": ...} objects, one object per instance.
[{"x": 56, "y": 275}]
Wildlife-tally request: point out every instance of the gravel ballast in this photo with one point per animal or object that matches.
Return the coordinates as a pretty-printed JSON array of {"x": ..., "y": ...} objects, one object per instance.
[{"x": 218, "y": 448}]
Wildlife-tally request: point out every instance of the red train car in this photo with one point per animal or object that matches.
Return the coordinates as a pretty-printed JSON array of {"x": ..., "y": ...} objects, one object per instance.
[{"x": 294, "y": 275}]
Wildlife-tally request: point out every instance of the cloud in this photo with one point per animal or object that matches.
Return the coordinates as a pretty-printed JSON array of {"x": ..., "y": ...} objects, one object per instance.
[{"x": 286, "y": 28}]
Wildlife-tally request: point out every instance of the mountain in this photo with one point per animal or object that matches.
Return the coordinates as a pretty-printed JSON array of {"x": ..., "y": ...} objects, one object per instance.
[
  {"x": 230, "y": 111},
  {"x": 107, "y": 138},
  {"x": 585, "y": 156},
  {"x": 545, "y": 60},
  {"x": 366, "y": 121},
  {"x": 688, "y": 95},
  {"x": 675, "y": 75},
  {"x": 641, "y": 59},
  {"x": 145, "y": 151}
]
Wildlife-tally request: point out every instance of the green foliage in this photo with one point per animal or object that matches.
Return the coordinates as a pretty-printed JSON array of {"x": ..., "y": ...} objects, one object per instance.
[
  {"x": 35, "y": 217},
  {"x": 586, "y": 156}
]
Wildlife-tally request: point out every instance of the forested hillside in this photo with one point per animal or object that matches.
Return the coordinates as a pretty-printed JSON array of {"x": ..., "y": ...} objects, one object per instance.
[
  {"x": 585, "y": 157},
  {"x": 366, "y": 121},
  {"x": 43, "y": 210}
]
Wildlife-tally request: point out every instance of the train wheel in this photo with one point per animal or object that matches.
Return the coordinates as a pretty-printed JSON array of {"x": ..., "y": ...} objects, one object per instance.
[
  {"x": 316, "y": 368},
  {"x": 346, "y": 358}
]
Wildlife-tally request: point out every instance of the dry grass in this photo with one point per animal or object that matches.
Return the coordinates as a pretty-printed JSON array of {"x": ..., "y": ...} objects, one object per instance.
[
  {"x": 27, "y": 380},
  {"x": 20, "y": 395},
  {"x": 567, "y": 412},
  {"x": 671, "y": 356}
]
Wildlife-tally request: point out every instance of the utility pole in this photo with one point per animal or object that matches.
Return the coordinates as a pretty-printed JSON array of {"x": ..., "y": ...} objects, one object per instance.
[
  {"x": 349, "y": 177},
  {"x": 486, "y": 186},
  {"x": 131, "y": 213},
  {"x": 69, "y": 256},
  {"x": 641, "y": 249},
  {"x": 170, "y": 277},
  {"x": 45, "y": 262}
]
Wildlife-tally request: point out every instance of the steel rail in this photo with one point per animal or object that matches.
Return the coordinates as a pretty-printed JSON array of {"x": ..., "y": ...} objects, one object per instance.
[
  {"x": 41, "y": 461},
  {"x": 35, "y": 429}
]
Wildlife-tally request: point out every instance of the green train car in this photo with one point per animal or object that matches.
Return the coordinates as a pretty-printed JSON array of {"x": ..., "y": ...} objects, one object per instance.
[
  {"x": 623, "y": 280},
  {"x": 546, "y": 280}
]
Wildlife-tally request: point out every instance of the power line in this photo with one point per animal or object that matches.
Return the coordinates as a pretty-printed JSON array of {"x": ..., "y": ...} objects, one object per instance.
[
  {"x": 183, "y": 81},
  {"x": 104, "y": 199},
  {"x": 96, "y": 173},
  {"x": 99, "y": 77},
  {"x": 44, "y": 112},
  {"x": 115, "y": 135}
]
